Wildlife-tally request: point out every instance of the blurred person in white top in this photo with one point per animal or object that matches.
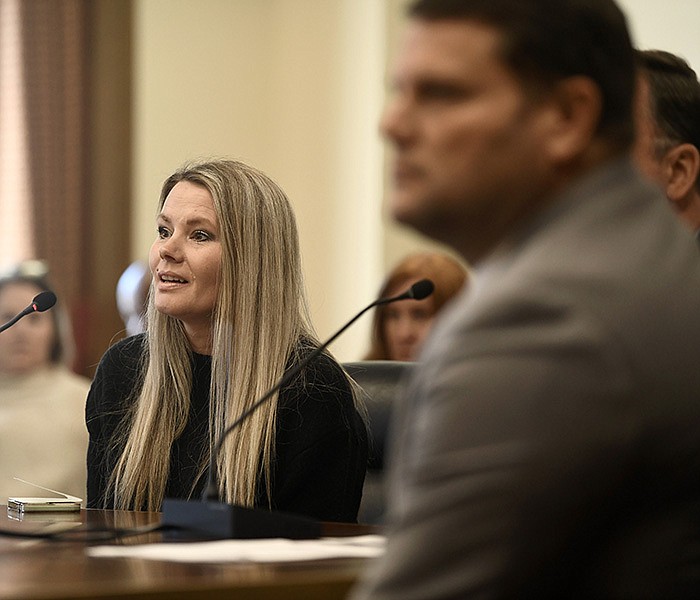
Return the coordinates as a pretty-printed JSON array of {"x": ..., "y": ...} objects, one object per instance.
[{"x": 43, "y": 438}]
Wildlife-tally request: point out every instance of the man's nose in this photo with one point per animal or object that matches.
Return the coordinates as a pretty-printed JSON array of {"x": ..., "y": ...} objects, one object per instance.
[{"x": 396, "y": 123}]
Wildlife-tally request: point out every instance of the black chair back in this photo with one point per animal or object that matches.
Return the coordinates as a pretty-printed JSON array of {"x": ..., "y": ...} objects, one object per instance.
[{"x": 382, "y": 382}]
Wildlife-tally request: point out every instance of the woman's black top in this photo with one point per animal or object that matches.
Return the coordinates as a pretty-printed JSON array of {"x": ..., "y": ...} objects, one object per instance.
[{"x": 320, "y": 449}]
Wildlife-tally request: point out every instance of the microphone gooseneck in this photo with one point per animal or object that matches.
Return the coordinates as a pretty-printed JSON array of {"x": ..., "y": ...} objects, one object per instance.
[
  {"x": 418, "y": 291},
  {"x": 40, "y": 303}
]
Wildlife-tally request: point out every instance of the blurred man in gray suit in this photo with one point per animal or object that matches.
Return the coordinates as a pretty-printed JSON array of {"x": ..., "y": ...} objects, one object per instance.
[
  {"x": 548, "y": 446},
  {"x": 667, "y": 148}
]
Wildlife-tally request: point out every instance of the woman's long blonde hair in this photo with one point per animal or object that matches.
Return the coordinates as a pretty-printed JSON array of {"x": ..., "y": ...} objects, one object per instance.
[{"x": 260, "y": 315}]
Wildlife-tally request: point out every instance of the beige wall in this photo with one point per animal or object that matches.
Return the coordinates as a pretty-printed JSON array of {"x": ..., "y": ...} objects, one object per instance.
[
  {"x": 295, "y": 87},
  {"x": 670, "y": 25}
]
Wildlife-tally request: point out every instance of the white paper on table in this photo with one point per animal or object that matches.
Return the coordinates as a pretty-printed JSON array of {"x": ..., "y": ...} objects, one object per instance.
[{"x": 262, "y": 550}]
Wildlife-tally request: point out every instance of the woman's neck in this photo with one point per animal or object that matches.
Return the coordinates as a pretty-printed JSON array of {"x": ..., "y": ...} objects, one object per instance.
[{"x": 200, "y": 339}]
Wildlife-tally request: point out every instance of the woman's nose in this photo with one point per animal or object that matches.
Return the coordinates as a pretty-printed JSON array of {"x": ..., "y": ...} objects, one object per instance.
[
  {"x": 407, "y": 329},
  {"x": 170, "y": 249}
]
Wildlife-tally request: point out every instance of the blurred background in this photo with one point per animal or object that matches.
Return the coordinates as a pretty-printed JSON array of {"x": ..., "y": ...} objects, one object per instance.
[{"x": 100, "y": 100}]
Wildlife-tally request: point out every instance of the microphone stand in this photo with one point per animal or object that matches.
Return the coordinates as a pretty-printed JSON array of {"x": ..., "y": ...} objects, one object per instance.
[{"x": 211, "y": 518}]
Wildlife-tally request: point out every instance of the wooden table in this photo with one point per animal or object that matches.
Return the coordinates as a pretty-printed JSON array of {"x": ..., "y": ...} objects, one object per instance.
[{"x": 41, "y": 569}]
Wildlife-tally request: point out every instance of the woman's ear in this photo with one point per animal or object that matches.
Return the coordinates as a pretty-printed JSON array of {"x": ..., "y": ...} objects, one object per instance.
[
  {"x": 680, "y": 169},
  {"x": 574, "y": 113}
]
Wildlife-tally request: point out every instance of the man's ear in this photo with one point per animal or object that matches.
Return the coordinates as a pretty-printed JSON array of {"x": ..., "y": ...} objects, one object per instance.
[
  {"x": 680, "y": 168},
  {"x": 573, "y": 115}
]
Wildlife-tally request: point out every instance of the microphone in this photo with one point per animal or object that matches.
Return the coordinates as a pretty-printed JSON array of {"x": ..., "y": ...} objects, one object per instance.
[
  {"x": 41, "y": 302},
  {"x": 418, "y": 291},
  {"x": 212, "y": 518}
]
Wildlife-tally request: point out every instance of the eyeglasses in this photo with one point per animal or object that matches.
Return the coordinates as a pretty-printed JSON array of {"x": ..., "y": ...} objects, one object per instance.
[{"x": 34, "y": 268}]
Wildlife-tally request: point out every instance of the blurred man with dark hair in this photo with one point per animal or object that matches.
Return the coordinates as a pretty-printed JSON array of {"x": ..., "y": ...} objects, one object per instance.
[
  {"x": 668, "y": 118},
  {"x": 548, "y": 443}
]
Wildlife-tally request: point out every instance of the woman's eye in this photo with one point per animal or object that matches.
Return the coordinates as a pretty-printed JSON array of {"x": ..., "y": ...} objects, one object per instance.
[
  {"x": 421, "y": 315},
  {"x": 200, "y": 236},
  {"x": 163, "y": 232}
]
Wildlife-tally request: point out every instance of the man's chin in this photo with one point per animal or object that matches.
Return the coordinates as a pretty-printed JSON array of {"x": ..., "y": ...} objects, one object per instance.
[
  {"x": 423, "y": 220},
  {"x": 410, "y": 211},
  {"x": 404, "y": 208}
]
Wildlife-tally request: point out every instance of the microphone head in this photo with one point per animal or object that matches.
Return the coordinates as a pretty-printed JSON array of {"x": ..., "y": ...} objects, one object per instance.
[
  {"x": 43, "y": 301},
  {"x": 422, "y": 289}
]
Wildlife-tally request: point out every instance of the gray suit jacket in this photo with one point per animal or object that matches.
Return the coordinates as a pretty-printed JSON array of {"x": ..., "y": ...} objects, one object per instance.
[{"x": 549, "y": 445}]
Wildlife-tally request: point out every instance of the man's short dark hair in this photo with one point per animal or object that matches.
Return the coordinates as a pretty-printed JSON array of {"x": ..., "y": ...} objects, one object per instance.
[
  {"x": 545, "y": 41},
  {"x": 674, "y": 97}
]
